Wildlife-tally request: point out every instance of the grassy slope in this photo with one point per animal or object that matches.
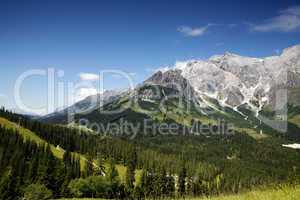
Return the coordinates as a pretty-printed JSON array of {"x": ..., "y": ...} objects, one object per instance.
[
  {"x": 57, "y": 152},
  {"x": 295, "y": 120},
  {"x": 29, "y": 135},
  {"x": 279, "y": 194},
  {"x": 122, "y": 173}
]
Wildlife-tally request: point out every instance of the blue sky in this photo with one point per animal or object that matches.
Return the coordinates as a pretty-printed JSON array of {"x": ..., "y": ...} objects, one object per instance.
[{"x": 132, "y": 36}]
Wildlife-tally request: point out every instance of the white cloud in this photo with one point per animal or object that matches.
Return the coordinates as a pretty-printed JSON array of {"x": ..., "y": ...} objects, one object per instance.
[
  {"x": 162, "y": 69},
  {"x": 193, "y": 32},
  {"x": 232, "y": 25},
  {"x": 294, "y": 10},
  {"x": 287, "y": 21},
  {"x": 132, "y": 74},
  {"x": 89, "y": 76},
  {"x": 82, "y": 93}
]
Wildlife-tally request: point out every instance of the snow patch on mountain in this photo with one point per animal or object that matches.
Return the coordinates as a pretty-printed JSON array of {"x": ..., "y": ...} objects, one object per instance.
[{"x": 234, "y": 80}]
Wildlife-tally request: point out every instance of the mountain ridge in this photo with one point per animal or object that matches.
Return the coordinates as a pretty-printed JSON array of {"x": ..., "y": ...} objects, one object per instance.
[{"x": 224, "y": 85}]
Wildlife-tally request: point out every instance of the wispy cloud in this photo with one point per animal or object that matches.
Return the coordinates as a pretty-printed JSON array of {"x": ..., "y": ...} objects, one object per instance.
[
  {"x": 232, "y": 25},
  {"x": 192, "y": 32},
  {"x": 119, "y": 76},
  {"x": 288, "y": 20},
  {"x": 89, "y": 76},
  {"x": 132, "y": 74},
  {"x": 162, "y": 69}
]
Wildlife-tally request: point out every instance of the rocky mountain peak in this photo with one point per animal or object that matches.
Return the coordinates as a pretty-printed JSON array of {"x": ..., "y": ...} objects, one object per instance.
[{"x": 235, "y": 80}]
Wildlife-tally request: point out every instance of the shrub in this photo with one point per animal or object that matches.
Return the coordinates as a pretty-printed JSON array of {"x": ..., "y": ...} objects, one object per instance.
[
  {"x": 93, "y": 186},
  {"x": 37, "y": 192}
]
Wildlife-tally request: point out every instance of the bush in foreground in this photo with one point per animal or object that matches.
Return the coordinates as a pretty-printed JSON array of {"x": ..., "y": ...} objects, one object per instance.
[{"x": 37, "y": 192}]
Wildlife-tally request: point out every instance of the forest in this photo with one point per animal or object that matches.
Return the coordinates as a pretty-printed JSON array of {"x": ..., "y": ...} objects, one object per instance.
[{"x": 171, "y": 166}]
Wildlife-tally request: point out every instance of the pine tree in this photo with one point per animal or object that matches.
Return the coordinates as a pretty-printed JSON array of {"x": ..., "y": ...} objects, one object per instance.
[
  {"x": 181, "y": 181},
  {"x": 130, "y": 172},
  {"x": 89, "y": 168},
  {"x": 112, "y": 177},
  {"x": 112, "y": 173},
  {"x": 7, "y": 187},
  {"x": 143, "y": 183},
  {"x": 170, "y": 186},
  {"x": 67, "y": 158},
  {"x": 100, "y": 169},
  {"x": 50, "y": 179},
  {"x": 162, "y": 182}
]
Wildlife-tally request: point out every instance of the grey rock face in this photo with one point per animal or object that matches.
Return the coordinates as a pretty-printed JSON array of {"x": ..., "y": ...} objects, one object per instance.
[
  {"x": 235, "y": 80},
  {"x": 234, "y": 96},
  {"x": 174, "y": 80}
]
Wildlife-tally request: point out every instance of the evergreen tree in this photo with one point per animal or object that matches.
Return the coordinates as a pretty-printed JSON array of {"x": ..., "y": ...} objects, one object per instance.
[
  {"x": 7, "y": 186},
  {"x": 182, "y": 181},
  {"x": 162, "y": 182},
  {"x": 112, "y": 175},
  {"x": 143, "y": 184},
  {"x": 130, "y": 172},
  {"x": 100, "y": 169},
  {"x": 67, "y": 159},
  {"x": 170, "y": 186},
  {"x": 89, "y": 166}
]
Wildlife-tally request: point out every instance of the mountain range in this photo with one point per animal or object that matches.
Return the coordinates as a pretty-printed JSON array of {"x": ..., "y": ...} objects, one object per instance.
[{"x": 239, "y": 89}]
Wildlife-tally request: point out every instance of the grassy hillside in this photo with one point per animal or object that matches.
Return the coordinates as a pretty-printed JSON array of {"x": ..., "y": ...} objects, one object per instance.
[
  {"x": 284, "y": 193},
  {"x": 294, "y": 115},
  {"x": 29, "y": 135},
  {"x": 57, "y": 152}
]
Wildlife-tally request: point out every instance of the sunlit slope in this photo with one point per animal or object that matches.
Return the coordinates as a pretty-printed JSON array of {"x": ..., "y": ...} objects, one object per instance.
[
  {"x": 275, "y": 194},
  {"x": 57, "y": 151},
  {"x": 29, "y": 135}
]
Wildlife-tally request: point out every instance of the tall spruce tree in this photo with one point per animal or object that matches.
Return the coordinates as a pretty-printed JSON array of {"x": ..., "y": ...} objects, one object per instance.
[
  {"x": 130, "y": 177},
  {"x": 182, "y": 181},
  {"x": 100, "y": 168},
  {"x": 112, "y": 175},
  {"x": 130, "y": 172},
  {"x": 89, "y": 166}
]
